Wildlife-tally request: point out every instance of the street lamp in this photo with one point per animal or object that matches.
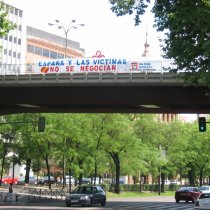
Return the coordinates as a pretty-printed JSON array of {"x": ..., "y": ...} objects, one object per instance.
[{"x": 66, "y": 30}]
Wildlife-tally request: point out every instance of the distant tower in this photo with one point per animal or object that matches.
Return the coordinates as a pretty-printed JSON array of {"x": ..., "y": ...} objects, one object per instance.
[
  {"x": 146, "y": 48},
  {"x": 164, "y": 117}
]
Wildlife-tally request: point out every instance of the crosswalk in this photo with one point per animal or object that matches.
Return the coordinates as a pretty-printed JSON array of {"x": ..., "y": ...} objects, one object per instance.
[{"x": 156, "y": 205}]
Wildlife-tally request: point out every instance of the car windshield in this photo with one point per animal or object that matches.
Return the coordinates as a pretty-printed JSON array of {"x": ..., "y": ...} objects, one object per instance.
[
  {"x": 186, "y": 189},
  {"x": 204, "y": 188},
  {"x": 83, "y": 190},
  {"x": 204, "y": 196}
]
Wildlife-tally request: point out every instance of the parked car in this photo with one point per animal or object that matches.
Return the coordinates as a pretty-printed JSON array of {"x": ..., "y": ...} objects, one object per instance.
[
  {"x": 44, "y": 180},
  {"x": 70, "y": 178},
  {"x": 32, "y": 181},
  {"x": 9, "y": 180},
  {"x": 203, "y": 201},
  {"x": 187, "y": 194},
  {"x": 86, "y": 181},
  {"x": 86, "y": 196},
  {"x": 205, "y": 189}
]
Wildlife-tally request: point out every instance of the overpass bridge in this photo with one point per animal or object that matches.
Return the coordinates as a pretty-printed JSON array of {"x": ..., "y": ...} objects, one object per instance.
[{"x": 99, "y": 92}]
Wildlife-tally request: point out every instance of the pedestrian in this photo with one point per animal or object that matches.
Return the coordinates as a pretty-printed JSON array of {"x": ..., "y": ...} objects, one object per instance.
[
  {"x": 9, "y": 197},
  {"x": 10, "y": 188},
  {"x": 58, "y": 181}
]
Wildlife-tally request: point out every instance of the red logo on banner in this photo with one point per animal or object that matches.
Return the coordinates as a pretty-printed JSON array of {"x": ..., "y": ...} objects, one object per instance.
[
  {"x": 44, "y": 69},
  {"x": 98, "y": 55}
]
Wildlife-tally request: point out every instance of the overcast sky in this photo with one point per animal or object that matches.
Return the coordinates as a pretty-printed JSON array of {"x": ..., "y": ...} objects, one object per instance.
[{"x": 113, "y": 36}]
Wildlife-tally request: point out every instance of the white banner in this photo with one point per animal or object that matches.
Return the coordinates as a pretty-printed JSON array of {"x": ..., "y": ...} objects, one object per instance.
[{"x": 76, "y": 65}]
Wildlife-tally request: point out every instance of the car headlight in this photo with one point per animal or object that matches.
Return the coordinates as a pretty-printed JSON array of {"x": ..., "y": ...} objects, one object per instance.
[{"x": 86, "y": 197}]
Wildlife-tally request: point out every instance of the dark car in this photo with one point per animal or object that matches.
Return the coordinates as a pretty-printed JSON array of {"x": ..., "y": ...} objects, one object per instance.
[
  {"x": 44, "y": 180},
  {"x": 187, "y": 194},
  {"x": 32, "y": 181},
  {"x": 86, "y": 196}
]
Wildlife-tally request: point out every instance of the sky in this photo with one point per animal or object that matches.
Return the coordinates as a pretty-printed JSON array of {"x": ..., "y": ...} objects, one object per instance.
[{"x": 113, "y": 36}]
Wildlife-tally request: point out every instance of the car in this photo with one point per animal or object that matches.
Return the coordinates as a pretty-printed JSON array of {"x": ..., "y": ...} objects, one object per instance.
[
  {"x": 205, "y": 189},
  {"x": 86, "y": 196},
  {"x": 173, "y": 182},
  {"x": 44, "y": 180},
  {"x": 70, "y": 178},
  {"x": 9, "y": 180},
  {"x": 32, "y": 181},
  {"x": 86, "y": 181},
  {"x": 203, "y": 201},
  {"x": 187, "y": 194}
]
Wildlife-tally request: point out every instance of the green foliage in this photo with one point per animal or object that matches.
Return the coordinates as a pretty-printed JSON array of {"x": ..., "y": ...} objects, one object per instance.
[
  {"x": 98, "y": 144},
  {"x": 186, "y": 29},
  {"x": 5, "y": 24},
  {"x": 123, "y": 7}
]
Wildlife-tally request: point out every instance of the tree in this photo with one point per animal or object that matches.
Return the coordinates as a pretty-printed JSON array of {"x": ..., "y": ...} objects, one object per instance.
[
  {"x": 119, "y": 141},
  {"x": 186, "y": 27},
  {"x": 5, "y": 24}
]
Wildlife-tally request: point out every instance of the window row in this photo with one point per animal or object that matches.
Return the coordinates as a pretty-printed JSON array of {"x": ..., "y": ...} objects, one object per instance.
[
  {"x": 12, "y": 10},
  {"x": 13, "y": 39},
  {"x": 10, "y": 53},
  {"x": 44, "y": 52}
]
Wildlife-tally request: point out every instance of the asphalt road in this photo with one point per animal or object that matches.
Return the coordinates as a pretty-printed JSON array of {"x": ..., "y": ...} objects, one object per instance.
[{"x": 143, "y": 203}]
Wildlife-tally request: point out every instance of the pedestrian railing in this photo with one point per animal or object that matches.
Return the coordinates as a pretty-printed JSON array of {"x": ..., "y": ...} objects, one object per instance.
[{"x": 47, "y": 193}]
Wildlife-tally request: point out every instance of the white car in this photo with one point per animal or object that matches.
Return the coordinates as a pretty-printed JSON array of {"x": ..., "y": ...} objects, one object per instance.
[
  {"x": 203, "y": 201},
  {"x": 205, "y": 189},
  {"x": 70, "y": 178}
]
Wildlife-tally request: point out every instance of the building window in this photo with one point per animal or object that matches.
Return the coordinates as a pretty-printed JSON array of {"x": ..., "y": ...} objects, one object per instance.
[
  {"x": 60, "y": 55},
  {"x": 10, "y": 52},
  {"x": 38, "y": 50},
  {"x": 16, "y": 11},
  {"x": 30, "y": 48},
  {"x": 19, "y": 41},
  {"x": 46, "y": 53},
  {"x": 20, "y": 13},
  {"x": 6, "y": 37},
  {"x": 53, "y": 54},
  {"x": 20, "y": 27},
  {"x": 15, "y": 39},
  {"x": 14, "y": 54},
  {"x": 10, "y": 38},
  {"x": 5, "y": 51},
  {"x": 11, "y": 10},
  {"x": 18, "y": 55}
]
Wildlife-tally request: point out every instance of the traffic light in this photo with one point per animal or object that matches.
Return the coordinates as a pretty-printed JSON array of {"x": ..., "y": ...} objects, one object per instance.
[
  {"x": 202, "y": 124},
  {"x": 41, "y": 124}
]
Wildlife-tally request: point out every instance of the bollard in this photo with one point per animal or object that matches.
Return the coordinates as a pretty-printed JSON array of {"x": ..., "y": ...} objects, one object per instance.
[{"x": 16, "y": 198}]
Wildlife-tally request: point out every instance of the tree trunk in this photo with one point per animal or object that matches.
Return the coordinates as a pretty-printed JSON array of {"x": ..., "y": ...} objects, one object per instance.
[
  {"x": 191, "y": 175},
  {"x": 163, "y": 182},
  {"x": 201, "y": 177},
  {"x": 2, "y": 168},
  {"x": 95, "y": 171},
  {"x": 28, "y": 167},
  {"x": 116, "y": 159}
]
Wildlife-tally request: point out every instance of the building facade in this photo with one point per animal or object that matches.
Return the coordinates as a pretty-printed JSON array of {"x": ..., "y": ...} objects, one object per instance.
[
  {"x": 13, "y": 44},
  {"x": 41, "y": 45},
  {"x": 27, "y": 45}
]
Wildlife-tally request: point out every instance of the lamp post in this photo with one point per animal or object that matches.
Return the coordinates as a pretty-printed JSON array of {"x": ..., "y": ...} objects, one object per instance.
[{"x": 66, "y": 30}]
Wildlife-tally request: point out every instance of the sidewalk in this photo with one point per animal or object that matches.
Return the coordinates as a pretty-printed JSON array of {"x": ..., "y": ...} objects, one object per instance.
[{"x": 149, "y": 198}]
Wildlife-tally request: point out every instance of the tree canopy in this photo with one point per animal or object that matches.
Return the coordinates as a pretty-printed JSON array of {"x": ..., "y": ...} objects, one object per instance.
[
  {"x": 186, "y": 28},
  {"x": 5, "y": 24}
]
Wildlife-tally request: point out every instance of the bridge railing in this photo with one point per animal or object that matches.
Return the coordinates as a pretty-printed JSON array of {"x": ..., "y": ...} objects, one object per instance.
[{"x": 131, "y": 67}]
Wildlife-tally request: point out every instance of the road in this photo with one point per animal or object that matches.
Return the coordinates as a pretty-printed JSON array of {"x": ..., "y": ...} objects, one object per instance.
[{"x": 145, "y": 203}]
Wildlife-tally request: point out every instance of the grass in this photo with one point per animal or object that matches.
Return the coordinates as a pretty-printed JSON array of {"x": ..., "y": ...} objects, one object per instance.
[{"x": 137, "y": 194}]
